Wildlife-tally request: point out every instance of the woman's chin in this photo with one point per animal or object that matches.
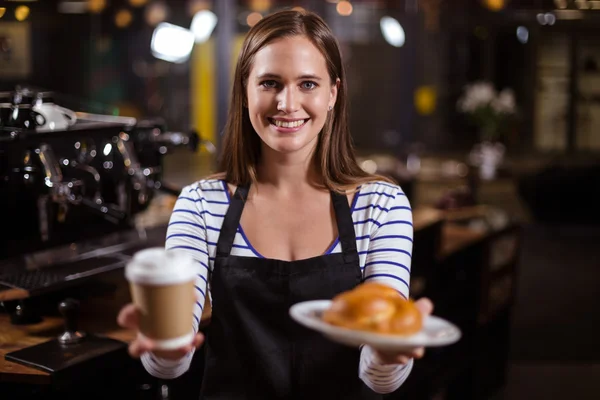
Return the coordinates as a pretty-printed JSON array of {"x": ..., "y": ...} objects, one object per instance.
[
  {"x": 287, "y": 146},
  {"x": 286, "y": 149}
]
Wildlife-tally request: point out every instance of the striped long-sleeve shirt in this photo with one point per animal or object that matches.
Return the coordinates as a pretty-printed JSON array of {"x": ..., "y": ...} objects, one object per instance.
[{"x": 384, "y": 237}]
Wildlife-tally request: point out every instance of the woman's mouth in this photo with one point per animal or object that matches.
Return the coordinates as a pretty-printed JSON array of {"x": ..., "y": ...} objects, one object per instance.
[{"x": 288, "y": 126}]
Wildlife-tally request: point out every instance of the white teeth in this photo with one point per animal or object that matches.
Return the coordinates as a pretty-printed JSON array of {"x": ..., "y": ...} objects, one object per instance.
[{"x": 292, "y": 124}]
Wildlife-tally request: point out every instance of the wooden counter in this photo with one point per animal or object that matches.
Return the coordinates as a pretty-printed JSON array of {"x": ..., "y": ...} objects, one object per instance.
[
  {"x": 13, "y": 337},
  {"x": 13, "y": 294},
  {"x": 424, "y": 217},
  {"x": 456, "y": 237},
  {"x": 98, "y": 316}
]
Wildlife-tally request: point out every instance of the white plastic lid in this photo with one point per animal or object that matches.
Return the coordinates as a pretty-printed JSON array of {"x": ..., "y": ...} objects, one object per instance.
[{"x": 158, "y": 266}]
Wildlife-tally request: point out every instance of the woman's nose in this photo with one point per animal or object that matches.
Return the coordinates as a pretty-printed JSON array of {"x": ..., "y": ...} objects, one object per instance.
[{"x": 287, "y": 101}]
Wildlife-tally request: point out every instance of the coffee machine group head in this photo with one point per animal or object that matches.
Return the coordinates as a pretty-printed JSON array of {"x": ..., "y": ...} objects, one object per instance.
[{"x": 87, "y": 179}]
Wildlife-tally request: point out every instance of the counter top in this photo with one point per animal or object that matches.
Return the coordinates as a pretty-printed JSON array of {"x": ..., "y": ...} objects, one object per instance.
[{"x": 98, "y": 316}]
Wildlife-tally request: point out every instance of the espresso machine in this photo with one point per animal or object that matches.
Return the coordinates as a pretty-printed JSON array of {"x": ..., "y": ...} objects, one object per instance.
[
  {"x": 71, "y": 186},
  {"x": 69, "y": 193}
]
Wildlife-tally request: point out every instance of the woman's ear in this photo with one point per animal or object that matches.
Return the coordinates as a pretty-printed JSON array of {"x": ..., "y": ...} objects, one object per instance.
[{"x": 333, "y": 93}]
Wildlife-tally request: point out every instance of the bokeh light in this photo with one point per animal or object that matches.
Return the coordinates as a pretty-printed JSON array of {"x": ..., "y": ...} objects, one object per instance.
[{"x": 344, "y": 8}]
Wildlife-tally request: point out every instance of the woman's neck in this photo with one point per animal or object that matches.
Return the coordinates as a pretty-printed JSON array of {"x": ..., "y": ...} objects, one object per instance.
[{"x": 288, "y": 172}]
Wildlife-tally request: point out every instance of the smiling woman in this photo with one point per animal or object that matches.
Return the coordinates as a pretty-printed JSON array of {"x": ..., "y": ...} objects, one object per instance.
[
  {"x": 289, "y": 96},
  {"x": 290, "y": 68},
  {"x": 291, "y": 218}
]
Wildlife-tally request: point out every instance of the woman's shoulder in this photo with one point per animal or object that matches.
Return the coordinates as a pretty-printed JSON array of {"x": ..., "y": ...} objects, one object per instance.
[
  {"x": 380, "y": 187},
  {"x": 381, "y": 194},
  {"x": 205, "y": 187}
]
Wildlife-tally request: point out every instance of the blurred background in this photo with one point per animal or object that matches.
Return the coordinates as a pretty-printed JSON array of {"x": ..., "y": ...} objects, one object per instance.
[{"x": 483, "y": 111}]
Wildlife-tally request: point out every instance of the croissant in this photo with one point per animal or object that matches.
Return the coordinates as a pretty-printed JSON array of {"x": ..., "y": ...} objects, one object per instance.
[{"x": 374, "y": 307}]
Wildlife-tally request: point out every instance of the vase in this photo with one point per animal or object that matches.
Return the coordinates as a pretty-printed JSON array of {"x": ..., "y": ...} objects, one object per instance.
[{"x": 488, "y": 156}]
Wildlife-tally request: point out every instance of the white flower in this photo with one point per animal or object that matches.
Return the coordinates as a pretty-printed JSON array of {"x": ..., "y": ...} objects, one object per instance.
[
  {"x": 505, "y": 102},
  {"x": 477, "y": 95}
]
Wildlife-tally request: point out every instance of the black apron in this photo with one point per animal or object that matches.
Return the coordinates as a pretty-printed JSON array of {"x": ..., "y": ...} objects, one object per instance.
[{"x": 254, "y": 350}]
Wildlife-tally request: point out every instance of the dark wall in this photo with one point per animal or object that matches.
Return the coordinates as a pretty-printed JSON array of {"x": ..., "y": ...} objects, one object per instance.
[{"x": 58, "y": 50}]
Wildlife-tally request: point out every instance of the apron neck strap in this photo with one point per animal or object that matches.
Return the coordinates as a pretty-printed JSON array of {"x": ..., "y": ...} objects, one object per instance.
[
  {"x": 232, "y": 220},
  {"x": 345, "y": 224}
]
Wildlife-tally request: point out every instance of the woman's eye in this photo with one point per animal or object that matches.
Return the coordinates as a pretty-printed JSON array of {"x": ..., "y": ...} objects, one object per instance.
[
  {"x": 308, "y": 85},
  {"x": 269, "y": 84}
]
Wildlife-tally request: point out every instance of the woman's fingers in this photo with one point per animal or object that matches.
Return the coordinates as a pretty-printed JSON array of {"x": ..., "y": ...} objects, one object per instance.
[
  {"x": 139, "y": 346},
  {"x": 129, "y": 317},
  {"x": 198, "y": 340},
  {"x": 400, "y": 358},
  {"x": 173, "y": 354},
  {"x": 392, "y": 358},
  {"x": 142, "y": 345},
  {"x": 424, "y": 305},
  {"x": 418, "y": 353}
]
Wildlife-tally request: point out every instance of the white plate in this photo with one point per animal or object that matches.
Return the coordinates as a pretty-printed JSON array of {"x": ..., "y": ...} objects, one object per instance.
[{"x": 436, "y": 331}]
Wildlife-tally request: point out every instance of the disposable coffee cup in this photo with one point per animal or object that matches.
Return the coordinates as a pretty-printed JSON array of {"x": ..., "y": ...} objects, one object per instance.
[{"x": 162, "y": 287}]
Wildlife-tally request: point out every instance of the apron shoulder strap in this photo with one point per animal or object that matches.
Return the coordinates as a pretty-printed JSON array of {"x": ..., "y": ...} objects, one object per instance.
[
  {"x": 345, "y": 224},
  {"x": 231, "y": 221}
]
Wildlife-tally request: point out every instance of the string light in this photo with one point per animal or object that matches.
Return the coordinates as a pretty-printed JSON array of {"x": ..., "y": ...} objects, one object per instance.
[
  {"x": 344, "y": 8},
  {"x": 137, "y": 3},
  {"x": 425, "y": 100},
  {"x": 123, "y": 18},
  {"x": 253, "y": 18},
  {"x": 495, "y": 5},
  {"x": 195, "y": 6},
  {"x": 96, "y": 6},
  {"x": 156, "y": 13},
  {"x": 21, "y": 13},
  {"x": 260, "y": 5}
]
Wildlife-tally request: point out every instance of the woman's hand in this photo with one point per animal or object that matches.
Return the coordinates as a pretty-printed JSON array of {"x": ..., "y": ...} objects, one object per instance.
[
  {"x": 426, "y": 307},
  {"x": 129, "y": 317}
]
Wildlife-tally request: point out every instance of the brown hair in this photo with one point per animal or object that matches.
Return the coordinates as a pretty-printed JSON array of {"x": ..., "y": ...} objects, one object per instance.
[{"x": 334, "y": 153}]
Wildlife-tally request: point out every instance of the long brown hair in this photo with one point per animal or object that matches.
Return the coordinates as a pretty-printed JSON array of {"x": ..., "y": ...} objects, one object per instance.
[{"x": 334, "y": 153}]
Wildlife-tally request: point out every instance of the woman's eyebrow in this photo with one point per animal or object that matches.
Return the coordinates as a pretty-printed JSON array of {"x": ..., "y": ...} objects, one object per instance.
[{"x": 269, "y": 75}]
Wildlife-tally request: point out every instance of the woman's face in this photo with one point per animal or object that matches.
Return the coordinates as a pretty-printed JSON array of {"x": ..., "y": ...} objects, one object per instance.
[{"x": 289, "y": 94}]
